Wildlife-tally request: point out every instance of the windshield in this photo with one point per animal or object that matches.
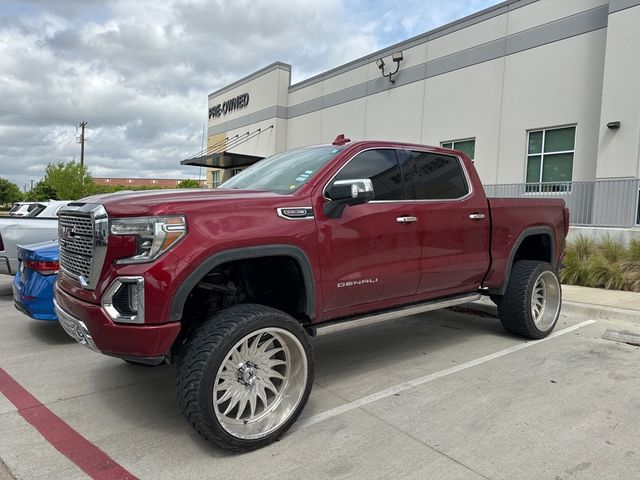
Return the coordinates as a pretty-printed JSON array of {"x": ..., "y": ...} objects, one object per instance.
[{"x": 285, "y": 172}]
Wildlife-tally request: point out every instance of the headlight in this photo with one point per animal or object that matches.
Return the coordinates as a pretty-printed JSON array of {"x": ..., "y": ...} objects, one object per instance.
[{"x": 155, "y": 235}]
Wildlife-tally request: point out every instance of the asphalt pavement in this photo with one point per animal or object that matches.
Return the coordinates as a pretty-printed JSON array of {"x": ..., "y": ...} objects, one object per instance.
[{"x": 443, "y": 395}]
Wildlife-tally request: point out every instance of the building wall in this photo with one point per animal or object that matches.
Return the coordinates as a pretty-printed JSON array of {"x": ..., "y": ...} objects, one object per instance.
[
  {"x": 552, "y": 85},
  {"x": 619, "y": 150},
  {"x": 492, "y": 76}
]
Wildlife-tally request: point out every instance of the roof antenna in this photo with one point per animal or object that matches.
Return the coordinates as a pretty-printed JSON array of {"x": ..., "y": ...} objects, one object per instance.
[{"x": 341, "y": 140}]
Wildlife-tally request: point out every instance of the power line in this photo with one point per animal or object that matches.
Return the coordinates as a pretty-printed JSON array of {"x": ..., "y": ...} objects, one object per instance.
[
  {"x": 36, "y": 117},
  {"x": 74, "y": 137}
]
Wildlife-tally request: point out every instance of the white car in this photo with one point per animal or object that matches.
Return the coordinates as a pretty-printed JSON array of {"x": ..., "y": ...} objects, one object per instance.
[
  {"x": 27, "y": 230},
  {"x": 48, "y": 209},
  {"x": 22, "y": 209}
]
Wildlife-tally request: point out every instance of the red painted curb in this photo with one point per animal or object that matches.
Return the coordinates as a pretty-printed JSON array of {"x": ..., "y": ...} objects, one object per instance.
[{"x": 91, "y": 460}]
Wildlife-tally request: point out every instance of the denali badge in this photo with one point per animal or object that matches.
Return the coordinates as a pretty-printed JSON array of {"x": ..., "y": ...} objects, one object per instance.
[
  {"x": 352, "y": 283},
  {"x": 295, "y": 213}
]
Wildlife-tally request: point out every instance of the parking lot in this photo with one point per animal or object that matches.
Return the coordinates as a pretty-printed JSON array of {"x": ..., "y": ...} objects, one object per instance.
[{"x": 446, "y": 394}]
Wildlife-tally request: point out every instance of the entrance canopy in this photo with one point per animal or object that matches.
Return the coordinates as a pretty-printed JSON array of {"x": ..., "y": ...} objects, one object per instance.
[
  {"x": 223, "y": 160},
  {"x": 219, "y": 156}
]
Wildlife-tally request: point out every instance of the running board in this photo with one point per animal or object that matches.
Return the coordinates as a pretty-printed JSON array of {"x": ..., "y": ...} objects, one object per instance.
[{"x": 360, "y": 321}]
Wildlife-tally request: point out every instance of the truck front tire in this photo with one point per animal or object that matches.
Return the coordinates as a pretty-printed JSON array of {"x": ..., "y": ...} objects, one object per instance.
[
  {"x": 244, "y": 376},
  {"x": 531, "y": 304}
]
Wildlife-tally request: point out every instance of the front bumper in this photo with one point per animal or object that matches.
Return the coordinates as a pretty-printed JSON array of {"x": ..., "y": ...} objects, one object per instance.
[
  {"x": 90, "y": 326},
  {"x": 75, "y": 327}
]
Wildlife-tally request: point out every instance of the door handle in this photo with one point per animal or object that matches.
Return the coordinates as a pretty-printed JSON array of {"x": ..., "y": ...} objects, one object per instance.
[
  {"x": 406, "y": 219},
  {"x": 476, "y": 216}
]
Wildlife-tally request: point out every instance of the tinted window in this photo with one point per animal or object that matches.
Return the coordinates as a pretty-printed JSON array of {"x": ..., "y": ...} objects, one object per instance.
[
  {"x": 432, "y": 176},
  {"x": 381, "y": 166}
]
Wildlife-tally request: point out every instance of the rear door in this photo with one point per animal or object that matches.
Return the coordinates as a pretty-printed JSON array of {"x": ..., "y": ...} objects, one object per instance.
[
  {"x": 369, "y": 255},
  {"x": 453, "y": 223}
]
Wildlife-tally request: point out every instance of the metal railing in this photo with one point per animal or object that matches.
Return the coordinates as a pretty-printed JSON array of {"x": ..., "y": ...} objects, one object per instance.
[{"x": 605, "y": 203}]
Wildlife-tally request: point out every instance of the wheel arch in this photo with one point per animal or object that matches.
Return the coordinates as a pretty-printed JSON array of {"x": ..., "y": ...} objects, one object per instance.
[
  {"x": 521, "y": 250},
  {"x": 246, "y": 253}
]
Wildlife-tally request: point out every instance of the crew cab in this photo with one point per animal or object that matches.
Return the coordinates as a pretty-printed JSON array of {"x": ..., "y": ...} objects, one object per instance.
[{"x": 230, "y": 283}]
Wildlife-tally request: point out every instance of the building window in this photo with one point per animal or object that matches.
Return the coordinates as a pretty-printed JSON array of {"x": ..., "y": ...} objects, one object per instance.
[
  {"x": 215, "y": 178},
  {"x": 235, "y": 171},
  {"x": 467, "y": 146},
  {"x": 550, "y": 159}
]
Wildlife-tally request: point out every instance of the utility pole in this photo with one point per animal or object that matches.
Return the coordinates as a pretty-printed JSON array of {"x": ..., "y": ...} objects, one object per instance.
[{"x": 82, "y": 125}]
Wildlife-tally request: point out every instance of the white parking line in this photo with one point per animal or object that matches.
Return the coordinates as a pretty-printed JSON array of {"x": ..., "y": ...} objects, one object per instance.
[{"x": 387, "y": 392}]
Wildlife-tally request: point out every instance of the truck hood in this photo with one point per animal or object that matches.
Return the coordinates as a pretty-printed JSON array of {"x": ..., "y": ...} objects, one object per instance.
[{"x": 167, "y": 202}]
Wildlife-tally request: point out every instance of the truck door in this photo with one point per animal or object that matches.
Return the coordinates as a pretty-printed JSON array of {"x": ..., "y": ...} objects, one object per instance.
[
  {"x": 452, "y": 222},
  {"x": 370, "y": 254}
]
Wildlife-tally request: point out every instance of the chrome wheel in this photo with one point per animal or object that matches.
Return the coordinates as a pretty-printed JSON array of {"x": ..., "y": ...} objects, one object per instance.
[
  {"x": 260, "y": 383},
  {"x": 545, "y": 301}
]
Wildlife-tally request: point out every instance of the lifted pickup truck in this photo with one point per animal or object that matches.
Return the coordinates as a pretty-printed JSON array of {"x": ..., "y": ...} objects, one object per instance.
[{"x": 230, "y": 283}]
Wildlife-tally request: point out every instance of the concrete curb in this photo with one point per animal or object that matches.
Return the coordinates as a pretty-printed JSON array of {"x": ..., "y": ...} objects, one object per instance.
[
  {"x": 590, "y": 310},
  {"x": 600, "y": 311}
]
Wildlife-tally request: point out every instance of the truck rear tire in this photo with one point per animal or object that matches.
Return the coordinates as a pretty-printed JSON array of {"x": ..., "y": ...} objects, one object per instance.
[
  {"x": 244, "y": 376},
  {"x": 531, "y": 304}
]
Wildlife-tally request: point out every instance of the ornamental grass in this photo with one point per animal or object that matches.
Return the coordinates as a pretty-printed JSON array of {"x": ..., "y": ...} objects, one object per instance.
[{"x": 604, "y": 263}]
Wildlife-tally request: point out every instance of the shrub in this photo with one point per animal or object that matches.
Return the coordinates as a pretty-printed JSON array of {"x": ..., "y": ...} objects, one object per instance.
[
  {"x": 605, "y": 263},
  {"x": 575, "y": 261}
]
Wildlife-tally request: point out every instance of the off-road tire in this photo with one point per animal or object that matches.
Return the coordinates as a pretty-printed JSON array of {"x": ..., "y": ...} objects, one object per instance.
[
  {"x": 515, "y": 309},
  {"x": 201, "y": 360}
]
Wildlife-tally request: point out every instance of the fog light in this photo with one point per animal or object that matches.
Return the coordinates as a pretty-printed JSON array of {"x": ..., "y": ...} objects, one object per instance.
[{"x": 124, "y": 300}]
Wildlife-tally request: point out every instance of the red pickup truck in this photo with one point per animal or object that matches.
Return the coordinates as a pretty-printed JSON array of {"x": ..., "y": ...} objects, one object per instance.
[{"x": 230, "y": 283}]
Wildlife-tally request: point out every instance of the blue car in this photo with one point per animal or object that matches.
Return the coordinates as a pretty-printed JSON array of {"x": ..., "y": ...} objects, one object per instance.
[{"x": 33, "y": 284}]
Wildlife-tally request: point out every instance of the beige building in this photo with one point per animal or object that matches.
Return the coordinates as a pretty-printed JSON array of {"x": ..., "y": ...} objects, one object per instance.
[{"x": 543, "y": 94}]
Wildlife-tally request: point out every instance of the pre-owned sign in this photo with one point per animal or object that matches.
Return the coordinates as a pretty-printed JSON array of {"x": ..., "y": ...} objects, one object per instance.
[{"x": 228, "y": 106}]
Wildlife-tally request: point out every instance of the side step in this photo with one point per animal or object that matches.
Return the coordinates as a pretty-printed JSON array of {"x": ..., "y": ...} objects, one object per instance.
[{"x": 384, "y": 315}]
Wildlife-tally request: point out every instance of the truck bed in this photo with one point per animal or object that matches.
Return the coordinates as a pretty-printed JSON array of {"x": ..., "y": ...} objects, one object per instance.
[{"x": 511, "y": 218}]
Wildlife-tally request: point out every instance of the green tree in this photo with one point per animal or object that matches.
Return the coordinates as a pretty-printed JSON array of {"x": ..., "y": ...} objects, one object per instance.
[
  {"x": 189, "y": 183},
  {"x": 70, "y": 181},
  {"x": 41, "y": 192},
  {"x": 9, "y": 192}
]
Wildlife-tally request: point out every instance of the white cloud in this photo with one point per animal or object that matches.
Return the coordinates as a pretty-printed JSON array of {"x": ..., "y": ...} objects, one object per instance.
[{"x": 140, "y": 71}]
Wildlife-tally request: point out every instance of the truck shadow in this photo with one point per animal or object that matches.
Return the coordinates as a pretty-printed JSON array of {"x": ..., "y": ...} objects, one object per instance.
[
  {"x": 396, "y": 343},
  {"x": 49, "y": 332},
  {"x": 359, "y": 361}
]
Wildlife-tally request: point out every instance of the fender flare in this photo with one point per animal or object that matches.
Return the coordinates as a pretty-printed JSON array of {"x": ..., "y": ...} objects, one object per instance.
[
  {"x": 245, "y": 253},
  {"x": 528, "y": 232}
]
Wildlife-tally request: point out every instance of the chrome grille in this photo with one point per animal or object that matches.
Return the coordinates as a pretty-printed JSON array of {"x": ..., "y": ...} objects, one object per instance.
[
  {"x": 80, "y": 245},
  {"x": 83, "y": 232},
  {"x": 81, "y": 224},
  {"x": 76, "y": 238},
  {"x": 74, "y": 264}
]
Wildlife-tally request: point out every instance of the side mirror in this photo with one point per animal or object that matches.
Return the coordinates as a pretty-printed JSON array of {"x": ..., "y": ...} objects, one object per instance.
[{"x": 347, "y": 192}]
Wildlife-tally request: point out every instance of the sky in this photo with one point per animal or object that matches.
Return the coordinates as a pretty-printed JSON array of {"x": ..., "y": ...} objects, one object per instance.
[{"x": 139, "y": 72}]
